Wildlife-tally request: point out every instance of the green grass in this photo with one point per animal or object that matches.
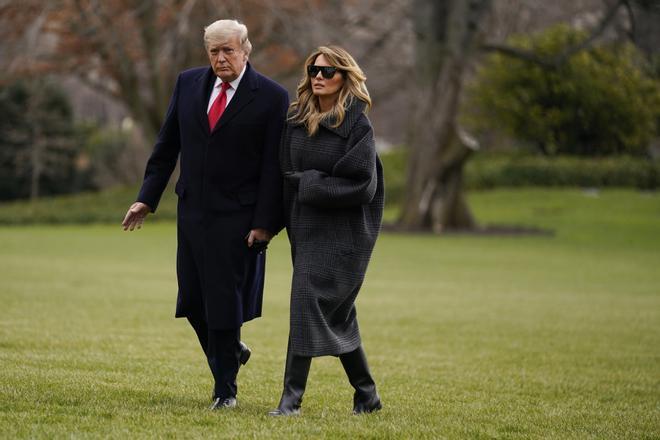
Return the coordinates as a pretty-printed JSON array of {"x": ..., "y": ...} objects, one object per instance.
[{"x": 468, "y": 336}]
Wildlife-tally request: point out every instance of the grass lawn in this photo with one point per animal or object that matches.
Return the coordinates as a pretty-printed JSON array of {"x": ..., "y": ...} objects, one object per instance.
[{"x": 468, "y": 336}]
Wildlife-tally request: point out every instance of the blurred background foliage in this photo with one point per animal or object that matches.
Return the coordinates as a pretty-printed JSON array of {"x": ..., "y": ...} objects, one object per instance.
[
  {"x": 603, "y": 101},
  {"x": 525, "y": 93},
  {"x": 39, "y": 143},
  {"x": 489, "y": 170}
]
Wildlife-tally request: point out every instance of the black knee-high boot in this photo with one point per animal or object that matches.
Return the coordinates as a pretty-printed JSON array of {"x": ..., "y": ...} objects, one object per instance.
[
  {"x": 365, "y": 399},
  {"x": 295, "y": 379}
]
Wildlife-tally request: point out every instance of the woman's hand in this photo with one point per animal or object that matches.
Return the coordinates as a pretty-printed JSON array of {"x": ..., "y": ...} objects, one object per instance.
[{"x": 293, "y": 178}]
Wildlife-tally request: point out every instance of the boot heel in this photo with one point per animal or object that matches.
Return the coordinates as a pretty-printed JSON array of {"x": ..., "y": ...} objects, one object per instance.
[{"x": 365, "y": 399}]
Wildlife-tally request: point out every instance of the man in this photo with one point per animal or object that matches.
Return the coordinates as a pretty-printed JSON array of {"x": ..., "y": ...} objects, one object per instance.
[{"x": 224, "y": 122}]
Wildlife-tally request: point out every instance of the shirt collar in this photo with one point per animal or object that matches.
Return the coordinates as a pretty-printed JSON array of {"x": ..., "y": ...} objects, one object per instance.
[{"x": 234, "y": 83}]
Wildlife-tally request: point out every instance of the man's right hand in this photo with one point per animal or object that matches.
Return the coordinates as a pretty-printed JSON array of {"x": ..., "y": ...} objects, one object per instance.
[{"x": 135, "y": 216}]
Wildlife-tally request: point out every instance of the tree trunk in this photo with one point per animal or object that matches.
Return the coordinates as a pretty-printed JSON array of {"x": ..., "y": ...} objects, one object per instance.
[
  {"x": 645, "y": 32},
  {"x": 35, "y": 167},
  {"x": 447, "y": 34},
  {"x": 36, "y": 146}
]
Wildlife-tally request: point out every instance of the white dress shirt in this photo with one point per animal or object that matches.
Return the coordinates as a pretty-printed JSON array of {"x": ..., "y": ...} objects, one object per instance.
[{"x": 233, "y": 85}]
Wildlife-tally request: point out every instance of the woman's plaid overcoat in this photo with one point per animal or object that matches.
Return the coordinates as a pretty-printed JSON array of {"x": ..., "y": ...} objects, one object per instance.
[{"x": 333, "y": 212}]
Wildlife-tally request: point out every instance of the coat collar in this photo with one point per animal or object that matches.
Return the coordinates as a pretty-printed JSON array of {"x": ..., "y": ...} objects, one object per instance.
[
  {"x": 353, "y": 112},
  {"x": 244, "y": 94},
  {"x": 246, "y": 91}
]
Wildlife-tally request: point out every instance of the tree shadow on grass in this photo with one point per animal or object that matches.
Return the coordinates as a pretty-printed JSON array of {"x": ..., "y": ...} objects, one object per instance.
[{"x": 497, "y": 230}]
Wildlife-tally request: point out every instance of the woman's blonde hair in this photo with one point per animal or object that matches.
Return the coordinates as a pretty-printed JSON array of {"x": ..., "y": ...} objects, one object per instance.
[{"x": 305, "y": 109}]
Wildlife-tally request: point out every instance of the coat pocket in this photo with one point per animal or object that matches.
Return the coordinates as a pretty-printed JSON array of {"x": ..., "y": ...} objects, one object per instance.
[{"x": 247, "y": 198}]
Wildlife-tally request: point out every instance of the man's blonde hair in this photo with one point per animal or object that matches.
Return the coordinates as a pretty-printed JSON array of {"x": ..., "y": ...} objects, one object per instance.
[{"x": 223, "y": 30}]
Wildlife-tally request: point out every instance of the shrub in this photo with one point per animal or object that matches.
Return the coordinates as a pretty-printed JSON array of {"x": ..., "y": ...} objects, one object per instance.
[
  {"x": 38, "y": 145},
  {"x": 599, "y": 102},
  {"x": 394, "y": 170}
]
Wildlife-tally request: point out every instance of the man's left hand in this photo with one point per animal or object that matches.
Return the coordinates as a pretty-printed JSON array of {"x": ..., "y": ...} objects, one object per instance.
[{"x": 258, "y": 234}]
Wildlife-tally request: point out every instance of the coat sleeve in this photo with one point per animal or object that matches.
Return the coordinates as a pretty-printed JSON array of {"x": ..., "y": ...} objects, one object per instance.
[
  {"x": 163, "y": 159},
  {"x": 353, "y": 181},
  {"x": 268, "y": 210}
]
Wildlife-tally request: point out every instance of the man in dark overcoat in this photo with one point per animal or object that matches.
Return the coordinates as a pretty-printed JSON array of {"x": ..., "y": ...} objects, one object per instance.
[{"x": 224, "y": 123}]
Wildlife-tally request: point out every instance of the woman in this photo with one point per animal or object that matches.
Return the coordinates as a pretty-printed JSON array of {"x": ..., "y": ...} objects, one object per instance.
[{"x": 333, "y": 198}]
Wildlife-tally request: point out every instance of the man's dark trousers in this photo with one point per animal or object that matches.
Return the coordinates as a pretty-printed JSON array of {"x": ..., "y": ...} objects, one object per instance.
[{"x": 222, "y": 349}]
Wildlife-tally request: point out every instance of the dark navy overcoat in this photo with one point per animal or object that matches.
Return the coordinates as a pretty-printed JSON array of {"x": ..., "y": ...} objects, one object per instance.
[{"x": 229, "y": 183}]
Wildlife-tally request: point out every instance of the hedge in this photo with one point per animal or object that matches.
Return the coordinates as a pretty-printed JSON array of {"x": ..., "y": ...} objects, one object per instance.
[
  {"x": 628, "y": 172},
  {"x": 107, "y": 206},
  {"x": 487, "y": 170}
]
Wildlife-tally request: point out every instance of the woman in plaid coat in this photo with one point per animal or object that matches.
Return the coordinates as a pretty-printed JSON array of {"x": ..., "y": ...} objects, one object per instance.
[{"x": 333, "y": 198}]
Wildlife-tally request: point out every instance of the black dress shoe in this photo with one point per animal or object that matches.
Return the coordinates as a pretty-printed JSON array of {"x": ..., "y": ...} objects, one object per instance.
[
  {"x": 223, "y": 402},
  {"x": 368, "y": 405},
  {"x": 282, "y": 412},
  {"x": 245, "y": 353}
]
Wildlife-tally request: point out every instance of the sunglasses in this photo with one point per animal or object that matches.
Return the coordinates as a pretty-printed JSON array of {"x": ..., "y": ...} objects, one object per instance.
[{"x": 327, "y": 71}]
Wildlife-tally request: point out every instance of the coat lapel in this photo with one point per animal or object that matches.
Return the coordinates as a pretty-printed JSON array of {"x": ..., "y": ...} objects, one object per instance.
[
  {"x": 204, "y": 85},
  {"x": 247, "y": 89}
]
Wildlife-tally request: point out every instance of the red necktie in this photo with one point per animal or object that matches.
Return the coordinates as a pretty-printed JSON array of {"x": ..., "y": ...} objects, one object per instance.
[{"x": 218, "y": 105}]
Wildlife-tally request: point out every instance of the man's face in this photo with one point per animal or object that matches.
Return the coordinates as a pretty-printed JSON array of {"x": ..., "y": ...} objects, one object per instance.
[{"x": 227, "y": 58}]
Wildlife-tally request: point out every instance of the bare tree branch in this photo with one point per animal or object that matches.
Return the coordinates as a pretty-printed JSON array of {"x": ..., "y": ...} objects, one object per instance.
[
  {"x": 631, "y": 17},
  {"x": 561, "y": 58}
]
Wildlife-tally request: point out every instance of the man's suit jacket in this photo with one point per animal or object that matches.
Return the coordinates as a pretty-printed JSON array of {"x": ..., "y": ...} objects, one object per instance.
[{"x": 229, "y": 183}]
